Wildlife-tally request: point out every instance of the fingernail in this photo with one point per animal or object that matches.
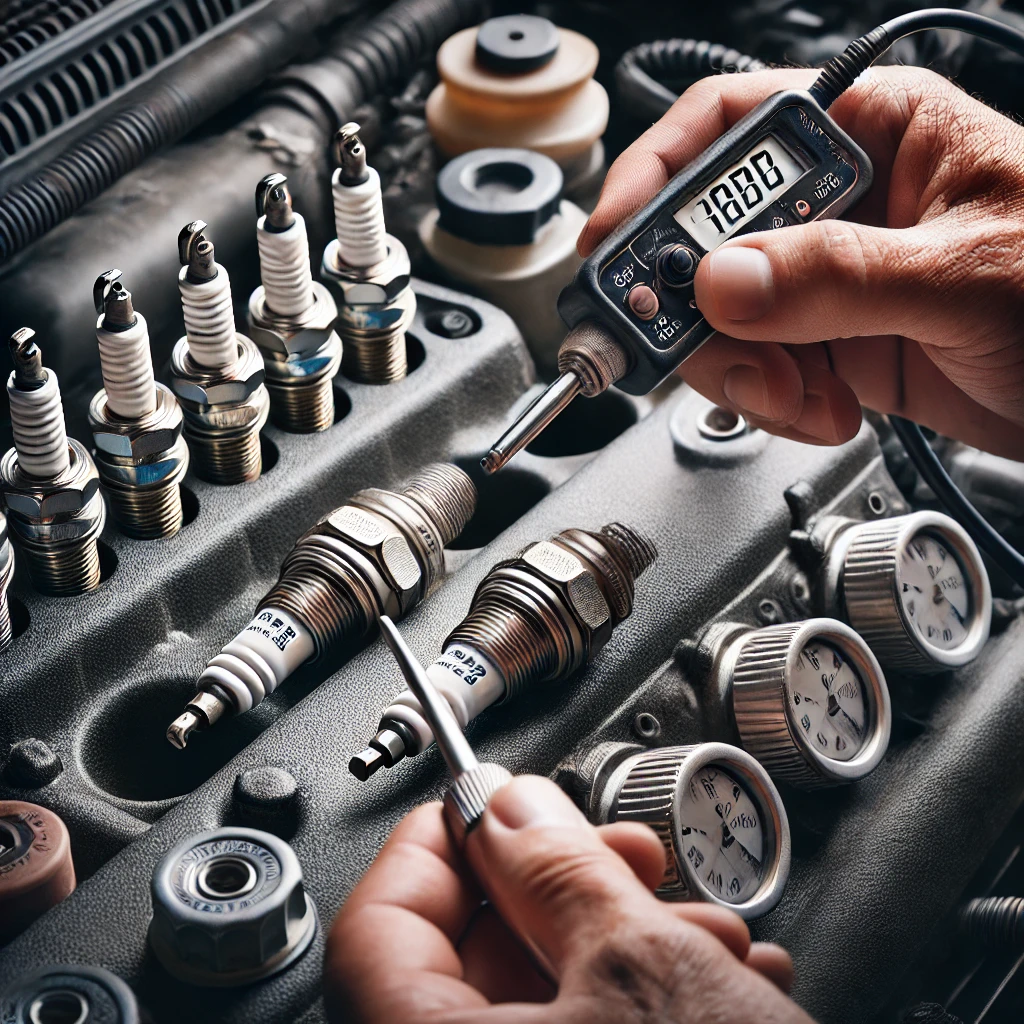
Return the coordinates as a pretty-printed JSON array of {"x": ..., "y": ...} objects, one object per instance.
[
  {"x": 529, "y": 801},
  {"x": 741, "y": 283},
  {"x": 747, "y": 389}
]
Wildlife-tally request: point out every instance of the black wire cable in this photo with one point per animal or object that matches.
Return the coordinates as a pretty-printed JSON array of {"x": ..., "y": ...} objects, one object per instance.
[{"x": 835, "y": 78}]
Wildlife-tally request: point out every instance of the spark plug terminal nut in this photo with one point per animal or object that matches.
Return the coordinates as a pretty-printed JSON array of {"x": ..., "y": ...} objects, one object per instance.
[
  {"x": 291, "y": 317},
  {"x": 534, "y": 619},
  {"x": 136, "y": 423},
  {"x": 50, "y": 485},
  {"x": 379, "y": 553},
  {"x": 217, "y": 374},
  {"x": 366, "y": 270}
]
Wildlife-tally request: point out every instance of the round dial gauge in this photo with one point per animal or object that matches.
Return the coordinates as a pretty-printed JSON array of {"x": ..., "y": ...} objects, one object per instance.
[
  {"x": 915, "y": 588},
  {"x": 810, "y": 701},
  {"x": 718, "y": 814}
]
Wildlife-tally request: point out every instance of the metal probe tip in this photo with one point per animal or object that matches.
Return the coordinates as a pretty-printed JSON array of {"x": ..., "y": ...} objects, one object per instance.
[
  {"x": 28, "y": 360},
  {"x": 532, "y": 422},
  {"x": 350, "y": 154},
  {"x": 365, "y": 763},
  {"x": 448, "y": 735}
]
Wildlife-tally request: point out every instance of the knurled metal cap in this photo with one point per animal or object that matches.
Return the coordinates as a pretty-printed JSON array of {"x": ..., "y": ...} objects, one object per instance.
[
  {"x": 468, "y": 796},
  {"x": 36, "y": 871},
  {"x": 229, "y": 908},
  {"x": 649, "y": 787},
  {"x": 69, "y": 992},
  {"x": 864, "y": 577},
  {"x": 762, "y": 665}
]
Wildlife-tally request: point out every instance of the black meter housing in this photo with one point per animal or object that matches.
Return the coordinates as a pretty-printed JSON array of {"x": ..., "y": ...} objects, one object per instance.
[{"x": 786, "y": 162}]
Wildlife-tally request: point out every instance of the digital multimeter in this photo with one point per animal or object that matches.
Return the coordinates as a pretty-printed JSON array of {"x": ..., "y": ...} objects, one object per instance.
[
  {"x": 786, "y": 162},
  {"x": 631, "y": 306}
]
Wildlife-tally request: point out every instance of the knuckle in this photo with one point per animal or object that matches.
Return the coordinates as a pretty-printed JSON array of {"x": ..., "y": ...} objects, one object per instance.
[{"x": 556, "y": 877}]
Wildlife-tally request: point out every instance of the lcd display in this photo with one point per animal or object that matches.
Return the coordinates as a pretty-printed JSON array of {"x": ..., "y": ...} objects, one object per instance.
[{"x": 740, "y": 193}]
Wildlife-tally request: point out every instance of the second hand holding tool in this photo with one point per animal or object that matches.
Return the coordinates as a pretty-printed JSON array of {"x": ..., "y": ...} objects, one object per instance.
[{"x": 474, "y": 782}]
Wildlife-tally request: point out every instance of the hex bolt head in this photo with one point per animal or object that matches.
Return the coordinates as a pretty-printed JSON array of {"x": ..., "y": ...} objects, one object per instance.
[{"x": 229, "y": 908}]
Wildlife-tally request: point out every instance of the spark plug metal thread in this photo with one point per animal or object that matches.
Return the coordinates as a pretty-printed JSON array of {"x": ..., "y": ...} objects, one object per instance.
[
  {"x": 6, "y": 575},
  {"x": 291, "y": 317},
  {"x": 217, "y": 374},
  {"x": 379, "y": 553},
  {"x": 534, "y": 619},
  {"x": 366, "y": 270},
  {"x": 49, "y": 481},
  {"x": 136, "y": 423}
]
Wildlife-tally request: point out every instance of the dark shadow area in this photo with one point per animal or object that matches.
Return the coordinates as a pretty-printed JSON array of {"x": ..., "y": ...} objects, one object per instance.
[
  {"x": 108, "y": 561},
  {"x": 189, "y": 507},
  {"x": 270, "y": 454},
  {"x": 587, "y": 425},
  {"x": 501, "y": 500},
  {"x": 342, "y": 403}
]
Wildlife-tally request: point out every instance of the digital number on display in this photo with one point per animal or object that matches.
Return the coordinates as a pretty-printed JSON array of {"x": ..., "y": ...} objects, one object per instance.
[{"x": 739, "y": 194}]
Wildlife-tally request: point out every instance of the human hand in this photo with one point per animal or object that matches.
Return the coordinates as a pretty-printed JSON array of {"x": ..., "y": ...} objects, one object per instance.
[
  {"x": 914, "y": 309},
  {"x": 414, "y": 944}
]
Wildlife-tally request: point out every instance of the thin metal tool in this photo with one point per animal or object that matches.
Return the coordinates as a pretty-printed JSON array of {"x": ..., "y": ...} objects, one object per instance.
[{"x": 474, "y": 782}]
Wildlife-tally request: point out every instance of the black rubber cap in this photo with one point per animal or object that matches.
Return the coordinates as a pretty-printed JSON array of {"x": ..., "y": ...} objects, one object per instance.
[
  {"x": 498, "y": 196},
  {"x": 69, "y": 992},
  {"x": 516, "y": 43}
]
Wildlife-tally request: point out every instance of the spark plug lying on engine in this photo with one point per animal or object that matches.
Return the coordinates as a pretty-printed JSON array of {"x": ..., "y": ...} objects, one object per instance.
[
  {"x": 291, "y": 317},
  {"x": 216, "y": 373},
  {"x": 49, "y": 481},
  {"x": 534, "y": 619},
  {"x": 366, "y": 270},
  {"x": 378, "y": 554},
  {"x": 136, "y": 423}
]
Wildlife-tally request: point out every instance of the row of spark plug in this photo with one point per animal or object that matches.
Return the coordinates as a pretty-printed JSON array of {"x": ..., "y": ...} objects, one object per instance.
[{"x": 223, "y": 384}]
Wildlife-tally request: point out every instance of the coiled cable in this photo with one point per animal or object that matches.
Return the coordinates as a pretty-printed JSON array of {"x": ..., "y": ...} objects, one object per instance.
[{"x": 644, "y": 74}]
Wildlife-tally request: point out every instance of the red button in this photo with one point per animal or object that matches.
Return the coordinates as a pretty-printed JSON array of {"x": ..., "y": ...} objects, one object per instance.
[{"x": 643, "y": 301}]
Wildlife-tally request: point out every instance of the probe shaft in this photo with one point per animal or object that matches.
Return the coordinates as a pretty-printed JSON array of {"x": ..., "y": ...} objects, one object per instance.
[
  {"x": 532, "y": 422},
  {"x": 452, "y": 743}
]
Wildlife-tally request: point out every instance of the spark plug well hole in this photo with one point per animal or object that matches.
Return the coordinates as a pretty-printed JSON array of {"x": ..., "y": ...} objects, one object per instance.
[
  {"x": 59, "y": 1007},
  {"x": 189, "y": 507},
  {"x": 20, "y": 620},
  {"x": 587, "y": 425},
  {"x": 501, "y": 500},
  {"x": 342, "y": 403},
  {"x": 108, "y": 561},
  {"x": 270, "y": 454}
]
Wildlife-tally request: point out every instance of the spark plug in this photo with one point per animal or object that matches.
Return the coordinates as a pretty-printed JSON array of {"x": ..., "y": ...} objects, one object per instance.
[
  {"x": 291, "y": 317},
  {"x": 367, "y": 270},
  {"x": 6, "y": 575},
  {"x": 216, "y": 374},
  {"x": 49, "y": 481},
  {"x": 378, "y": 554},
  {"x": 136, "y": 423},
  {"x": 535, "y": 619}
]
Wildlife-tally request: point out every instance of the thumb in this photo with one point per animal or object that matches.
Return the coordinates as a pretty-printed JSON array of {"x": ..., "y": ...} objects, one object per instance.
[
  {"x": 551, "y": 876},
  {"x": 832, "y": 279}
]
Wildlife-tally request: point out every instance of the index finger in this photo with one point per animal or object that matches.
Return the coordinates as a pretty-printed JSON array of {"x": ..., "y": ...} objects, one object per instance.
[{"x": 391, "y": 950}]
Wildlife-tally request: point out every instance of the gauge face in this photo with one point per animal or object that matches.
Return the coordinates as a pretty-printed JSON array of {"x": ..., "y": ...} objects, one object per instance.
[
  {"x": 723, "y": 835},
  {"x": 828, "y": 702},
  {"x": 934, "y": 594}
]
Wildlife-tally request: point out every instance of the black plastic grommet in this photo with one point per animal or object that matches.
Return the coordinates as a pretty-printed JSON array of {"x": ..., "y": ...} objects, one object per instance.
[
  {"x": 268, "y": 798},
  {"x": 69, "y": 992},
  {"x": 516, "y": 43},
  {"x": 498, "y": 196},
  {"x": 31, "y": 764}
]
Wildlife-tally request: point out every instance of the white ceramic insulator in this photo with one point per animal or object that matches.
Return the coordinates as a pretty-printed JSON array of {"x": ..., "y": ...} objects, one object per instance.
[
  {"x": 127, "y": 365},
  {"x": 284, "y": 267},
  {"x": 465, "y": 678},
  {"x": 260, "y": 658},
  {"x": 37, "y": 418},
  {"x": 359, "y": 220},
  {"x": 209, "y": 319}
]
